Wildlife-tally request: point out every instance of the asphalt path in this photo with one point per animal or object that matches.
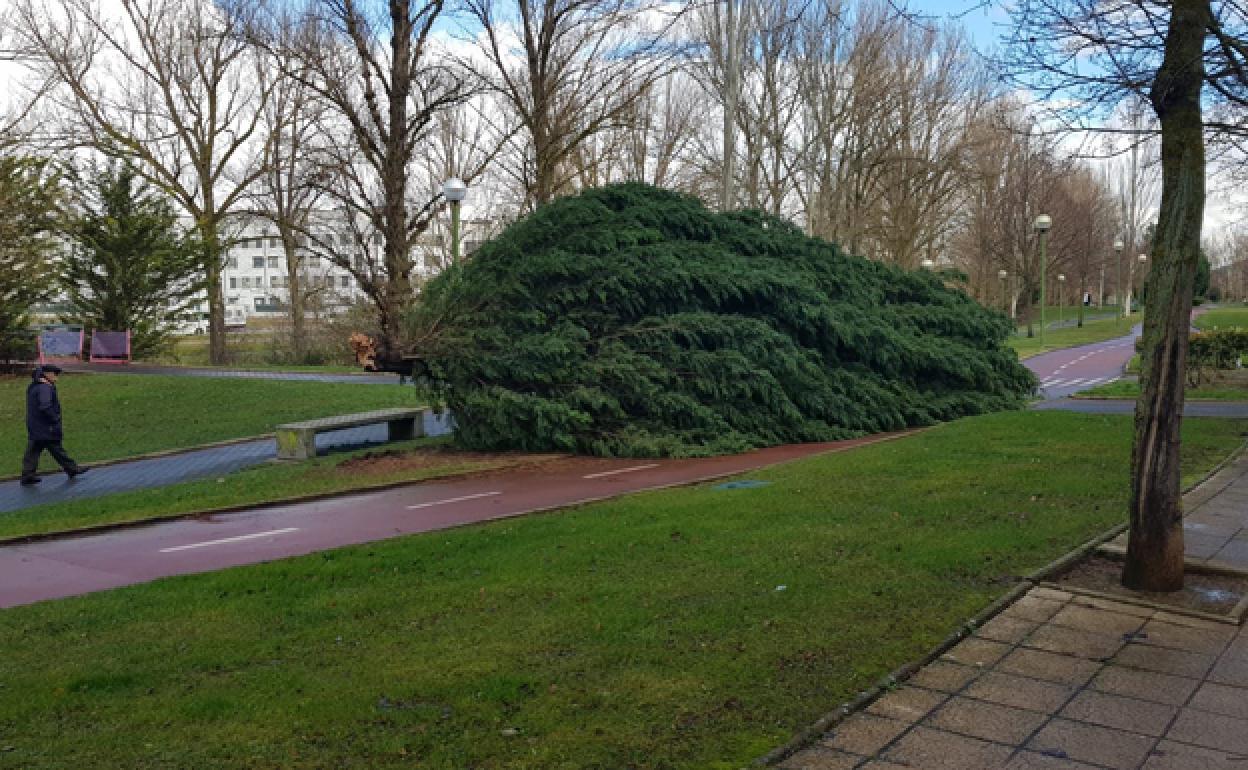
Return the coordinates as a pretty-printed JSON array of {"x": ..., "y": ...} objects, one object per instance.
[
  {"x": 363, "y": 378},
  {"x": 1063, "y": 373},
  {"x": 209, "y": 462},
  {"x": 61, "y": 567},
  {"x": 1235, "y": 410}
]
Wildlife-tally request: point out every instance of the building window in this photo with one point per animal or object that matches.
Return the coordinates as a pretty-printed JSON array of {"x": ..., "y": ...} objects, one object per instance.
[
  {"x": 273, "y": 262},
  {"x": 313, "y": 261},
  {"x": 233, "y": 282},
  {"x": 346, "y": 281},
  {"x": 233, "y": 263},
  {"x": 273, "y": 284},
  {"x": 246, "y": 281},
  {"x": 257, "y": 262}
]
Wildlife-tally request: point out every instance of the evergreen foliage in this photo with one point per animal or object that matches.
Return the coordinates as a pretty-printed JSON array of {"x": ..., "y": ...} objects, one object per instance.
[
  {"x": 633, "y": 321},
  {"x": 129, "y": 267},
  {"x": 30, "y": 196}
]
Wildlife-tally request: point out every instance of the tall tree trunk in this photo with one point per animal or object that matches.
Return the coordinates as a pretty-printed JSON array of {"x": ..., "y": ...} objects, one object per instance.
[
  {"x": 1155, "y": 549},
  {"x": 216, "y": 296},
  {"x": 298, "y": 334}
]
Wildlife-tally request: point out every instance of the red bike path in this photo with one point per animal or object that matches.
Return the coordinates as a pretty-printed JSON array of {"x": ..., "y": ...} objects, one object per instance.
[{"x": 69, "y": 566}]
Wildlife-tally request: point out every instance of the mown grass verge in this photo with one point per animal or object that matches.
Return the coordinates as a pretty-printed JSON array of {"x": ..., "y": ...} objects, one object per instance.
[
  {"x": 111, "y": 416},
  {"x": 685, "y": 628},
  {"x": 1092, "y": 331},
  {"x": 406, "y": 461}
]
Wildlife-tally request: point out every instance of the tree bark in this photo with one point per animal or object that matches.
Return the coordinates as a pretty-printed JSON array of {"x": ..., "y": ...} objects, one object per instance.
[{"x": 1155, "y": 550}]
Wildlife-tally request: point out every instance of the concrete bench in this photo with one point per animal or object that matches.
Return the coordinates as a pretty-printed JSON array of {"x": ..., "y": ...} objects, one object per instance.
[{"x": 297, "y": 440}]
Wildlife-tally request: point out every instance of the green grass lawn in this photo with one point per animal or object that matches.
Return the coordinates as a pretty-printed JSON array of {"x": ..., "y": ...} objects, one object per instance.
[
  {"x": 340, "y": 472},
  {"x": 1092, "y": 331},
  {"x": 252, "y": 352},
  {"x": 1229, "y": 386},
  {"x": 1222, "y": 317},
  {"x": 685, "y": 628},
  {"x": 113, "y": 415}
]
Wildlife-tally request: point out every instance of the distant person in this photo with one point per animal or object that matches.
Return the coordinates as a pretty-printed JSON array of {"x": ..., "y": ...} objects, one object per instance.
[{"x": 43, "y": 426}]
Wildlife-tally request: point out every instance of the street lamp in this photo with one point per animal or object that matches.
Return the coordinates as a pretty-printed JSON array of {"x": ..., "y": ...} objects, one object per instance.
[
  {"x": 1061, "y": 298},
  {"x": 1118, "y": 247},
  {"x": 927, "y": 263},
  {"x": 1042, "y": 225},
  {"x": 454, "y": 190},
  {"x": 1140, "y": 290},
  {"x": 1005, "y": 295}
]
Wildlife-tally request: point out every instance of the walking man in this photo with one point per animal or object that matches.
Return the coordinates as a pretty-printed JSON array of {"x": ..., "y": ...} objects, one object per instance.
[{"x": 43, "y": 426}]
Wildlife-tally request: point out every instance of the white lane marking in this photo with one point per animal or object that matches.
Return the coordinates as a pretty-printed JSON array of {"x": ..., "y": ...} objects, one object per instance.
[
  {"x": 453, "y": 500},
  {"x": 621, "y": 470},
  {"x": 240, "y": 538}
]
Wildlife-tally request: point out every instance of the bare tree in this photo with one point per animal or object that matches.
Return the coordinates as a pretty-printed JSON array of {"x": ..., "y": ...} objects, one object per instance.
[
  {"x": 578, "y": 69},
  {"x": 373, "y": 65},
  {"x": 1187, "y": 57},
  {"x": 169, "y": 86}
]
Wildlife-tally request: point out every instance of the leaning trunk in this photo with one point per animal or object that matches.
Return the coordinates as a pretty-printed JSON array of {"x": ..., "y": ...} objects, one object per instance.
[{"x": 1155, "y": 548}]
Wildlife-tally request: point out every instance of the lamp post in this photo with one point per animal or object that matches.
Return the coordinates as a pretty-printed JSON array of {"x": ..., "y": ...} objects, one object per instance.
[
  {"x": 1005, "y": 294},
  {"x": 1061, "y": 298},
  {"x": 1118, "y": 247},
  {"x": 454, "y": 190},
  {"x": 1143, "y": 258},
  {"x": 1042, "y": 225},
  {"x": 927, "y": 263}
]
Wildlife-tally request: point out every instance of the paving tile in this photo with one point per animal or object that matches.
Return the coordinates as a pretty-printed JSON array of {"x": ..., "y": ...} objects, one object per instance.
[
  {"x": 1030, "y": 760},
  {"x": 1004, "y": 628},
  {"x": 1207, "y": 640},
  {"x": 937, "y": 750},
  {"x": 990, "y": 721},
  {"x": 1213, "y": 731},
  {"x": 1169, "y": 755},
  {"x": 1020, "y": 692},
  {"x": 879, "y": 764},
  {"x": 820, "y": 758},
  {"x": 1097, "y": 620},
  {"x": 1068, "y": 641},
  {"x": 1136, "y": 716},
  {"x": 1120, "y": 608},
  {"x": 863, "y": 733},
  {"x": 1033, "y": 608},
  {"x": 976, "y": 652},
  {"x": 1146, "y": 685},
  {"x": 1052, "y": 594},
  {"x": 1210, "y": 524},
  {"x": 1092, "y": 744},
  {"x": 908, "y": 704},
  {"x": 1234, "y": 552},
  {"x": 1048, "y": 666},
  {"x": 943, "y": 676},
  {"x": 1221, "y": 699},
  {"x": 1232, "y": 670},
  {"x": 1164, "y": 660}
]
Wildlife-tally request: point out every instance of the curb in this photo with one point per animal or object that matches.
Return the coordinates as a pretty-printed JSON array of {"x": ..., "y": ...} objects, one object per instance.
[{"x": 808, "y": 734}]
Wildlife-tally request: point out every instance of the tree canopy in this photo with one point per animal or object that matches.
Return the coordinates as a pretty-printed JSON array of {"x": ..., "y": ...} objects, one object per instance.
[
  {"x": 30, "y": 199},
  {"x": 128, "y": 267},
  {"x": 633, "y": 321}
]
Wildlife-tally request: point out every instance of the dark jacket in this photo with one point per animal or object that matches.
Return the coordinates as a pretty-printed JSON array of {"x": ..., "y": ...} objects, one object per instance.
[{"x": 43, "y": 410}]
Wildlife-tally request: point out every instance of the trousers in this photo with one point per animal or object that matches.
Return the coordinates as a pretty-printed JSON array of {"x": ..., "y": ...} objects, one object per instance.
[{"x": 30, "y": 460}]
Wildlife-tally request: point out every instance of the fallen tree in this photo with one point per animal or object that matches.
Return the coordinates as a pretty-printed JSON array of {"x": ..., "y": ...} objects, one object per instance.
[{"x": 633, "y": 321}]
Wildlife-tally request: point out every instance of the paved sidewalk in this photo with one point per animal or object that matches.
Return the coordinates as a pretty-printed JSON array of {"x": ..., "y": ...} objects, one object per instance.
[{"x": 1065, "y": 681}]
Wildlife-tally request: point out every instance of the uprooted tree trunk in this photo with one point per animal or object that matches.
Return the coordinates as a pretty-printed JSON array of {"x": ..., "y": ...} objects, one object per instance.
[{"x": 1155, "y": 550}]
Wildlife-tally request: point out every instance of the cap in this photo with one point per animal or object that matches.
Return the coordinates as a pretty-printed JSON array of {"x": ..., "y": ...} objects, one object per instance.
[{"x": 53, "y": 368}]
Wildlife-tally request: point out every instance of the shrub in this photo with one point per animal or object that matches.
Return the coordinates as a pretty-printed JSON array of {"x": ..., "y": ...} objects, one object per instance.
[{"x": 633, "y": 321}]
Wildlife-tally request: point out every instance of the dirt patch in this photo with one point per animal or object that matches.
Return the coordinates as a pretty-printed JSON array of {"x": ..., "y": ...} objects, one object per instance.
[
  {"x": 1202, "y": 591},
  {"x": 393, "y": 461}
]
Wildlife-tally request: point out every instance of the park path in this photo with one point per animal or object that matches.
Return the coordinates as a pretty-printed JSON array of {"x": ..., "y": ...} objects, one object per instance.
[
  {"x": 1065, "y": 372},
  {"x": 362, "y": 378},
  {"x": 1059, "y": 680},
  {"x": 74, "y": 565}
]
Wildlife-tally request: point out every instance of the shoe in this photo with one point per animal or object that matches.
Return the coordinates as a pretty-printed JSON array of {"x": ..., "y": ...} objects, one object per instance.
[
  {"x": 81, "y": 469},
  {"x": 30, "y": 482}
]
